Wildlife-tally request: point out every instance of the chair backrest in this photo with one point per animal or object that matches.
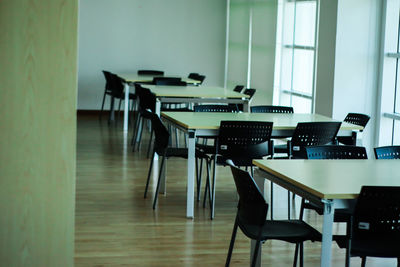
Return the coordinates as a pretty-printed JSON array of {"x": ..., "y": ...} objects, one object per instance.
[
  {"x": 252, "y": 208},
  {"x": 387, "y": 152},
  {"x": 271, "y": 109},
  {"x": 147, "y": 100},
  {"x": 243, "y": 141},
  {"x": 312, "y": 134},
  {"x": 215, "y": 108},
  {"x": 238, "y": 88},
  {"x": 336, "y": 152},
  {"x": 168, "y": 81},
  {"x": 117, "y": 86},
  {"x": 150, "y": 72},
  {"x": 161, "y": 134},
  {"x": 376, "y": 215},
  {"x": 357, "y": 119},
  {"x": 108, "y": 77},
  {"x": 250, "y": 92},
  {"x": 196, "y": 76}
]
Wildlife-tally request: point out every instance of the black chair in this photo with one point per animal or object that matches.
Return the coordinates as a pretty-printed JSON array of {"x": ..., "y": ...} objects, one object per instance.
[
  {"x": 203, "y": 140},
  {"x": 162, "y": 148},
  {"x": 197, "y": 77},
  {"x": 150, "y": 72},
  {"x": 251, "y": 219},
  {"x": 238, "y": 88},
  {"x": 147, "y": 106},
  {"x": 309, "y": 134},
  {"x": 375, "y": 225},
  {"x": 107, "y": 88},
  {"x": 306, "y": 134},
  {"x": 387, "y": 152},
  {"x": 240, "y": 142},
  {"x": 117, "y": 92},
  {"x": 171, "y": 81},
  {"x": 248, "y": 91},
  {"x": 357, "y": 119},
  {"x": 214, "y": 108},
  {"x": 335, "y": 153},
  {"x": 271, "y": 109}
]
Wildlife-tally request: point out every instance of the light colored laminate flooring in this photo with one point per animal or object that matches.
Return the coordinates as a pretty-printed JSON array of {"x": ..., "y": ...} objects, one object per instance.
[{"x": 116, "y": 226}]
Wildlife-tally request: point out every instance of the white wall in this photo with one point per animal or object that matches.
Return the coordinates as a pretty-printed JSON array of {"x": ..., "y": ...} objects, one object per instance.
[{"x": 177, "y": 36}]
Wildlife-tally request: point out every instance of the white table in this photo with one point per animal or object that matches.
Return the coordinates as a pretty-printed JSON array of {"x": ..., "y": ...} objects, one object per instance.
[
  {"x": 207, "y": 124},
  {"x": 196, "y": 94},
  {"x": 132, "y": 78},
  {"x": 334, "y": 183}
]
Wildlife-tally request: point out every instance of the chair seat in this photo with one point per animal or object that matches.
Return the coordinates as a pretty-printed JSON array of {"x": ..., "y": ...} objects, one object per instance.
[
  {"x": 374, "y": 247},
  {"x": 280, "y": 148},
  {"x": 293, "y": 231},
  {"x": 207, "y": 149},
  {"x": 341, "y": 215},
  {"x": 182, "y": 152}
]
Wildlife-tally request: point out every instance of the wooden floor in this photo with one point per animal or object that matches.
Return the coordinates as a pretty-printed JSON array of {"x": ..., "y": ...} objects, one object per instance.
[{"x": 116, "y": 226}]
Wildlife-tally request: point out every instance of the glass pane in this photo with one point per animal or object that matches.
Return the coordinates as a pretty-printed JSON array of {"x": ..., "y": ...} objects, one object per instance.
[
  {"x": 285, "y": 100},
  {"x": 396, "y": 133},
  {"x": 286, "y": 69},
  {"x": 288, "y": 23},
  {"x": 305, "y": 23},
  {"x": 301, "y": 104},
  {"x": 303, "y": 68},
  {"x": 397, "y": 100}
]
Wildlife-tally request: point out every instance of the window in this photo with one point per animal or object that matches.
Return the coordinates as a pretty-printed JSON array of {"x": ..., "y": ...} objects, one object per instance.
[
  {"x": 295, "y": 54},
  {"x": 389, "y": 130}
]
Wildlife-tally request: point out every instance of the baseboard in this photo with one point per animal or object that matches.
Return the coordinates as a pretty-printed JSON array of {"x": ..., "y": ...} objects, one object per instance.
[{"x": 90, "y": 112}]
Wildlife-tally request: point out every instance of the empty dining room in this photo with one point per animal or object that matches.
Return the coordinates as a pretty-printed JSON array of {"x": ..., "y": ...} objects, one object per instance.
[{"x": 199, "y": 133}]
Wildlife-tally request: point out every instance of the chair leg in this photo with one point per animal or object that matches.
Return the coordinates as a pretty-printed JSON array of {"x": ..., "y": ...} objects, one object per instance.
[
  {"x": 272, "y": 200},
  {"x": 148, "y": 175},
  {"x": 112, "y": 115},
  {"x": 232, "y": 243},
  {"x": 208, "y": 184},
  {"x": 255, "y": 255},
  {"x": 296, "y": 253},
  {"x": 363, "y": 261},
  {"x": 119, "y": 109},
  {"x": 158, "y": 182},
  {"x": 149, "y": 146},
  {"x": 213, "y": 189},
  {"x": 102, "y": 104},
  {"x": 288, "y": 205},
  {"x": 199, "y": 177},
  {"x": 135, "y": 127},
  {"x": 139, "y": 122},
  {"x": 301, "y": 254}
]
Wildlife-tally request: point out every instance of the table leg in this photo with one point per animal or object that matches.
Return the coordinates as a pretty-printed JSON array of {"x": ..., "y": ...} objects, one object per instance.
[
  {"x": 163, "y": 183},
  {"x": 326, "y": 250},
  {"x": 246, "y": 106},
  {"x": 190, "y": 175},
  {"x": 126, "y": 107}
]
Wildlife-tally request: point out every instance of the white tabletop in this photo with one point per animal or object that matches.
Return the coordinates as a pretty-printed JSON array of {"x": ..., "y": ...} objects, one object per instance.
[
  {"x": 281, "y": 121},
  {"x": 195, "y": 91},
  {"x": 334, "y": 179},
  {"x": 134, "y": 77}
]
